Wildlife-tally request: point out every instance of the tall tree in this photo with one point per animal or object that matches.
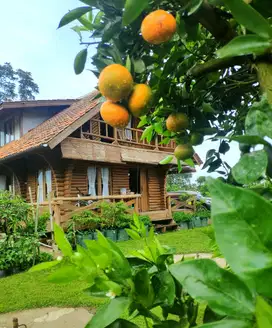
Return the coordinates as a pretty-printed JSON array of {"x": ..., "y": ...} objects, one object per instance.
[{"x": 16, "y": 84}]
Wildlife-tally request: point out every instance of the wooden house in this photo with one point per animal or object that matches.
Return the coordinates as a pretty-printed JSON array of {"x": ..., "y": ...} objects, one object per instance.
[{"x": 64, "y": 148}]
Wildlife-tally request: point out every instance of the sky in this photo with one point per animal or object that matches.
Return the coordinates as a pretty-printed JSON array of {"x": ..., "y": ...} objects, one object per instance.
[{"x": 31, "y": 41}]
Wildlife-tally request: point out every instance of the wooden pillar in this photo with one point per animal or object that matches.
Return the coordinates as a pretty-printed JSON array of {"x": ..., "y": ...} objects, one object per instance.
[
  {"x": 57, "y": 217},
  {"x": 136, "y": 209}
]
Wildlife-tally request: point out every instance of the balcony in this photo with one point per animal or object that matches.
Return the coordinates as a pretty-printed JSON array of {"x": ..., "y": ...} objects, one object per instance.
[{"x": 129, "y": 137}]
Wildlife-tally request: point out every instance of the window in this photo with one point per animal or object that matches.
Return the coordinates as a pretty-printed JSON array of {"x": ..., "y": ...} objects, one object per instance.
[
  {"x": 98, "y": 181},
  {"x": 9, "y": 130},
  {"x": 7, "y": 182},
  {"x": 3, "y": 182},
  {"x": 44, "y": 184}
]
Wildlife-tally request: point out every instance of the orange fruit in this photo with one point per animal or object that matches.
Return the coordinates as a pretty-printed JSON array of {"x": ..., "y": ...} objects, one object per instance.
[
  {"x": 196, "y": 138},
  {"x": 158, "y": 27},
  {"x": 177, "y": 122},
  {"x": 139, "y": 100},
  {"x": 115, "y": 82},
  {"x": 183, "y": 152},
  {"x": 115, "y": 115}
]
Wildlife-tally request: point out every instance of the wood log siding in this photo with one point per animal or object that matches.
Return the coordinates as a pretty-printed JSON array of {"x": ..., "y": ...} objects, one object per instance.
[
  {"x": 120, "y": 179},
  {"x": 156, "y": 191}
]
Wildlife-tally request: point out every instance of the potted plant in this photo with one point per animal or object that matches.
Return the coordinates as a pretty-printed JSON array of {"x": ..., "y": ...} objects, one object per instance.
[
  {"x": 196, "y": 220},
  {"x": 183, "y": 219},
  {"x": 204, "y": 216}
]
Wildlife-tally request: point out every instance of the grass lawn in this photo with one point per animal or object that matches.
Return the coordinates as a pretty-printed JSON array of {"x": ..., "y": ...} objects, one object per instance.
[{"x": 32, "y": 290}]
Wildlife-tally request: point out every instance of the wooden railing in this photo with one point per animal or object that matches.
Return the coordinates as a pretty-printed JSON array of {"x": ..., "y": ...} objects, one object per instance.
[
  {"x": 175, "y": 204},
  {"x": 101, "y": 131},
  {"x": 63, "y": 208}
]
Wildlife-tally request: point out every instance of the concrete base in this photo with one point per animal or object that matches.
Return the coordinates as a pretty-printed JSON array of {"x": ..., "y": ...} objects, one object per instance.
[{"x": 48, "y": 318}]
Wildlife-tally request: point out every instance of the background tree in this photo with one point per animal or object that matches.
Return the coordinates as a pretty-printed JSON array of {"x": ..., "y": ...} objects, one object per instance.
[
  {"x": 16, "y": 84},
  {"x": 177, "y": 182}
]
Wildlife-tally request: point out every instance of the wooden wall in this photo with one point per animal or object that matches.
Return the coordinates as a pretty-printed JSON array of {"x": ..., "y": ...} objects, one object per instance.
[{"x": 156, "y": 189}]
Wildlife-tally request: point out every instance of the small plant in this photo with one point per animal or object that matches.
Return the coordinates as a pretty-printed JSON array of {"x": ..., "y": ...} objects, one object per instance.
[
  {"x": 182, "y": 217},
  {"x": 146, "y": 220},
  {"x": 112, "y": 214}
]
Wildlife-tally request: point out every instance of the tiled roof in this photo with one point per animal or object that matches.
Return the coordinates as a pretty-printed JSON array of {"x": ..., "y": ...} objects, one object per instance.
[
  {"x": 51, "y": 128},
  {"x": 35, "y": 103}
]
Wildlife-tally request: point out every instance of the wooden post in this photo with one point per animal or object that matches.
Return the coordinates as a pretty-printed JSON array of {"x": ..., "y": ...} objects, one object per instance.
[
  {"x": 51, "y": 216},
  {"x": 115, "y": 135},
  {"x": 31, "y": 201},
  {"x": 169, "y": 206},
  {"x": 156, "y": 143},
  {"x": 136, "y": 209},
  {"x": 57, "y": 213},
  {"x": 15, "y": 323}
]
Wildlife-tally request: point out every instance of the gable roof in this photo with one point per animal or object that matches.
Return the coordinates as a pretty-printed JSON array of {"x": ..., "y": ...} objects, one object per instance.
[
  {"x": 59, "y": 125},
  {"x": 35, "y": 103}
]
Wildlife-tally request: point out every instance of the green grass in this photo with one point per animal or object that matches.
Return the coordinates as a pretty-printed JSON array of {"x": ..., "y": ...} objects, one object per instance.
[
  {"x": 32, "y": 290},
  {"x": 184, "y": 241}
]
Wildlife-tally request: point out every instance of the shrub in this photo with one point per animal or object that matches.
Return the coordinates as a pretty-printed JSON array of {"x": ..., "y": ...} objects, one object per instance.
[
  {"x": 85, "y": 220},
  {"x": 145, "y": 219},
  {"x": 113, "y": 214},
  {"x": 182, "y": 217}
]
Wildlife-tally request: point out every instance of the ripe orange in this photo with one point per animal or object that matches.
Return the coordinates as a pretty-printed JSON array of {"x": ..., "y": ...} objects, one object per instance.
[
  {"x": 177, "y": 122},
  {"x": 183, "y": 152},
  {"x": 158, "y": 27},
  {"x": 115, "y": 115},
  {"x": 115, "y": 82},
  {"x": 196, "y": 138},
  {"x": 139, "y": 100}
]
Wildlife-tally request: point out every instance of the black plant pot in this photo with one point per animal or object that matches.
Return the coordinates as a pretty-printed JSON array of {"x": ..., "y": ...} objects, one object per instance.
[
  {"x": 204, "y": 222},
  {"x": 183, "y": 225},
  {"x": 197, "y": 222},
  {"x": 112, "y": 234},
  {"x": 190, "y": 224},
  {"x": 122, "y": 235}
]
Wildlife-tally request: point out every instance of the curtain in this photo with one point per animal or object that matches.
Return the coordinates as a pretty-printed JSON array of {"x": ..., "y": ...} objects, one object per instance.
[
  {"x": 128, "y": 133},
  {"x": 16, "y": 128},
  {"x": 105, "y": 181},
  {"x": 48, "y": 181},
  {"x": 3, "y": 182},
  {"x": 40, "y": 186},
  {"x": 2, "y": 134},
  {"x": 91, "y": 173}
]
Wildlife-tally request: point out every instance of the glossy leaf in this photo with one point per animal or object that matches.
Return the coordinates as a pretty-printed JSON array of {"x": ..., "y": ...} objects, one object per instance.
[
  {"x": 80, "y": 61},
  {"x": 258, "y": 123},
  {"x": 108, "y": 313},
  {"x": 168, "y": 159},
  {"x": 62, "y": 242},
  {"x": 143, "y": 289},
  {"x": 73, "y": 15},
  {"x": 250, "y": 167},
  {"x": 147, "y": 134},
  {"x": 179, "y": 166},
  {"x": 122, "y": 323},
  {"x": 128, "y": 63},
  {"x": 133, "y": 234},
  {"x": 224, "y": 292},
  {"x": 139, "y": 66},
  {"x": 228, "y": 323},
  {"x": 164, "y": 288},
  {"x": 247, "y": 245},
  {"x": 224, "y": 147},
  {"x": 133, "y": 9},
  {"x": 193, "y": 6},
  {"x": 189, "y": 162},
  {"x": 44, "y": 266},
  {"x": 263, "y": 313},
  {"x": 250, "y": 140},
  {"x": 246, "y": 15},
  {"x": 245, "y": 45},
  {"x": 65, "y": 274}
]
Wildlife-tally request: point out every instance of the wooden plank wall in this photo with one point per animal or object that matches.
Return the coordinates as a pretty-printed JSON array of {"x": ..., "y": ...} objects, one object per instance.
[
  {"x": 156, "y": 190},
  {"x": 120, "y": 178}
]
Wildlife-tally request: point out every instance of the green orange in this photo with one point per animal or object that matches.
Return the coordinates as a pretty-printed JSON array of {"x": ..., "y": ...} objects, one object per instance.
[
  {"x": 177, "y": 122},
  {"x": 183, "y": 152}
]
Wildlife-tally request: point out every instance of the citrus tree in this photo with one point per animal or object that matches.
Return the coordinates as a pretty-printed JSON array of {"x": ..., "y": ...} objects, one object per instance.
[{"x": 206, "y": 65}]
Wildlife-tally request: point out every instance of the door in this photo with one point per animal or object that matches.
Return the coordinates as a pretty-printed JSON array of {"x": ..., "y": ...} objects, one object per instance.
[{"x": 144, "y": 190}]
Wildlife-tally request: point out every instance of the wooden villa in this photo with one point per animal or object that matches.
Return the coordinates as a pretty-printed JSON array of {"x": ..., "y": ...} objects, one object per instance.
[{"x": 64, "y": 148}]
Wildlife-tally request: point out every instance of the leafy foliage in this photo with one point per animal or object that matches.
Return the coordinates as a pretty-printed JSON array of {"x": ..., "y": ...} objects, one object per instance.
[{"x": 16, "y": 84}]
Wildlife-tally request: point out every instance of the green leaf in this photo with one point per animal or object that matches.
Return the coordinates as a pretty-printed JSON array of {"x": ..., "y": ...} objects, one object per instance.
[
  {"x": 128, "y": 64},
  {"x": 101, "y": 255},
  {"x": 139, "y": 66},
  {"x": 133, "y": 234},
  {"x": 179, "y": 166},
  {"x": 250, "y": 167},
  {"x": 86, "y": 22},
  {"x": 224, "y": 147},
  {"x": 263, "y": 313},
  {"x": 108, "y": 313},
  {"x": 164, "y": 288},
  {"x": 62, "y": 242},
  {"x": 122, "y": 323},
  {"x": 143, "y": 121},
  {"x": 102, "y": 287},
  {"x": 80, "y": 61},
  {"x": 249, "y": 17},
  {"x": 193, "y": 6},
  {"x": 250, "y": 140},
  {"x": 224, "y": 292},
  {"x": 92, "y": 3},
  {"x": 44, "y": 266},
  {"x": 168, "y": 159},
  {"x": 133, "y": 9},
  {"x": 228, "y": 323},
  {"x": 245, "y": 45},
  {"x": 64, "y": 275},
  {"x": 143, "y": 289},
  {"x": 147, "y": 134},
  {"x": 73, "y": 15},
  {"x": 189, "y": 162},
  {"x": 247, "y": 245},
  {"x": 258, "y": 123}
]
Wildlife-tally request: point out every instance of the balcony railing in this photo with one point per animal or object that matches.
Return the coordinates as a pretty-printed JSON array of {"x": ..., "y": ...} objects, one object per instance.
[{"x": 101, "y": 131}]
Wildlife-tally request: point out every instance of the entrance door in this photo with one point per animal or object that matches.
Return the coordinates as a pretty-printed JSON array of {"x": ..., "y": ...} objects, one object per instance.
[{"x": 138, "y": 184}]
